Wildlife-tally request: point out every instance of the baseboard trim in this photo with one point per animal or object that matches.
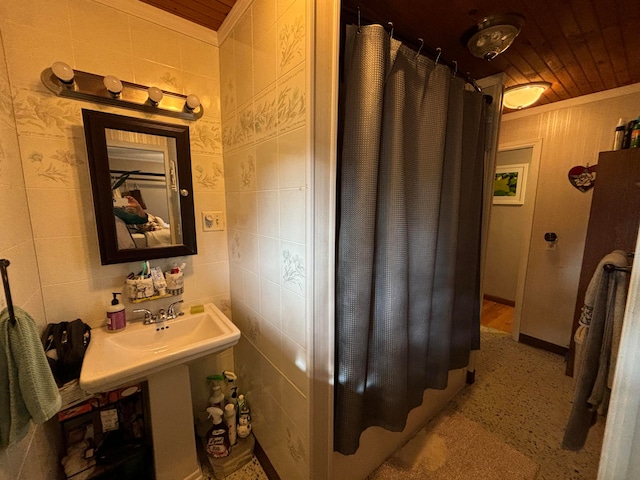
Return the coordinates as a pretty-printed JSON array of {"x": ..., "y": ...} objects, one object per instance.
[
  {"x": 503, "y": 301},
  {"x": 264, "y": 462},
  {"x": 543, "y": 345}
]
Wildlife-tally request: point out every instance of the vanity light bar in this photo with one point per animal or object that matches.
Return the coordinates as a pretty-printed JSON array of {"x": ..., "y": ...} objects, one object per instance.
[{"x": 93, "y": 88}]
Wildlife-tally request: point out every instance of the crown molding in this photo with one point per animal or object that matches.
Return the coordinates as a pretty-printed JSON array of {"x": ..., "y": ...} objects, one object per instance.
[
  {"x": 164, "y": 19},
  {"x": 232, "y": 18}
]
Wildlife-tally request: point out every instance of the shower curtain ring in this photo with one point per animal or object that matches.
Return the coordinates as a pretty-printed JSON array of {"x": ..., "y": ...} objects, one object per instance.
[
  {"x": 420, "y": 48},
  {"x": 359, "y": 21},
  {"x": 391, "y": 32},
  {"x": 439, "y": 50},
  {"x": 455, "y": 71}
]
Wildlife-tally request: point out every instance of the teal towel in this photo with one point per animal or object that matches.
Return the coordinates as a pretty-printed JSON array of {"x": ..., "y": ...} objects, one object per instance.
[{"x": 27, "y": 387}]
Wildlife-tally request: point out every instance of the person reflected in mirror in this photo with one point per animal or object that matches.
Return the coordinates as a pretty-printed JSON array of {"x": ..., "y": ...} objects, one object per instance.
[{"x": 131, "y": 214}]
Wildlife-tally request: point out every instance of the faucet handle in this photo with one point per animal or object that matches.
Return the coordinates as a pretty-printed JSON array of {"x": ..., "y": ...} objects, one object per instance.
[
  {"x": 171, "y": 310},
  {"x": 147, "y": 314}
]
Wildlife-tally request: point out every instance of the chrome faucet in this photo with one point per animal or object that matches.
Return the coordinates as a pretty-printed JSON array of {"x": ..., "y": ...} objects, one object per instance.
[
  {"x": 171, "y": 313},
  {"x": 161, "y": 316}
]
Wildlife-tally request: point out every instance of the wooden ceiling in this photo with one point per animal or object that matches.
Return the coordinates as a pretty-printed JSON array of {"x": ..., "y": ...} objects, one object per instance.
[
  {"x": 579, "y": 46},
  {"x": 208, "y": 13}
]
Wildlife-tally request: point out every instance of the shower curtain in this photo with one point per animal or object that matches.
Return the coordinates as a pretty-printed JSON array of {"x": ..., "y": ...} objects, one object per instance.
[{"x": 409, "y": 232}]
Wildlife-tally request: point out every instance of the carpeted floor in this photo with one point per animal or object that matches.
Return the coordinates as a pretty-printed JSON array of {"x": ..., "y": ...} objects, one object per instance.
[{"x": 508, "y": 425}]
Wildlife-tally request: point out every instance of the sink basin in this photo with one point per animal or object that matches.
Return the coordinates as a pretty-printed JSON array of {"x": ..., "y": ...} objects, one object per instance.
[{"x": 115, "y": 359}]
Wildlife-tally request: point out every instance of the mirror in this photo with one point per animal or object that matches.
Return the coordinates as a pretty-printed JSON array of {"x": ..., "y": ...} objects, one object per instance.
[{"x": 142, "y": 187}]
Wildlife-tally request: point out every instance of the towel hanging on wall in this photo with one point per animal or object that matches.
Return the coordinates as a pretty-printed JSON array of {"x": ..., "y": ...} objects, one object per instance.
[
  {"x": 602, "y": 313},
  {"x": 27, "y": 388}
]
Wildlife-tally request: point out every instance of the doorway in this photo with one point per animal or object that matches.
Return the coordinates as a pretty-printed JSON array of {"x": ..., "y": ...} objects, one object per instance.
[{"x": 510, "y": 226}]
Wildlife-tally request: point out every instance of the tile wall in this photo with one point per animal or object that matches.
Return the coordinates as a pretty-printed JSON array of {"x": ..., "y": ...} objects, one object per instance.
[
  {"x": 36, "y": 455},
  {"x": 264, "y": 104},
  {"x": 46, "y": 213}
]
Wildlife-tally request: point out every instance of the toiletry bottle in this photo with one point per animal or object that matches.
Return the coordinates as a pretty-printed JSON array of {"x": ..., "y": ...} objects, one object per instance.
[
  {"x": 635, "y": 135},
  {"x": 217, "y": 397},
  {"x": 618, "y": 137},
  {"x": 244, "y": 421},
  {"x": 116, "y": 318},
  {"x": 218, "y": 436},
  {"x": 230, "y": 420},
  {"x": 231, "y": 389}
]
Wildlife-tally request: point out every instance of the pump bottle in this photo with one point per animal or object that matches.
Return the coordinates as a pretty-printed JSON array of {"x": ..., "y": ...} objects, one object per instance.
[{"x": 116, "y": 317}]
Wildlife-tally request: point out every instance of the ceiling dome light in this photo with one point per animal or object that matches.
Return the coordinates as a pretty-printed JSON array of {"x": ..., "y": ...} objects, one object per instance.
[
  {"x": 492, "y": 35},
  {"x": 525, "y": 95},
  {"x": 63, "y": 72}
]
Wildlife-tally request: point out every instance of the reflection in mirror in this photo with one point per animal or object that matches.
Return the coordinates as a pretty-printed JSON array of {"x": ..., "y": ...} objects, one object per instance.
[
  {"x": 141, "y": 181},
  {"x": 146, "y": 200}
]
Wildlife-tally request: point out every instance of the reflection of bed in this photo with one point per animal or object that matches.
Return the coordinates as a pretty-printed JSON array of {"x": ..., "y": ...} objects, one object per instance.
[{"x": 155, "y": 238}]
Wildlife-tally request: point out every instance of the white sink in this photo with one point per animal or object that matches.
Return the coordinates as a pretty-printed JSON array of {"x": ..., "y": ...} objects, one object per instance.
[{"x": 120, "y": 358}]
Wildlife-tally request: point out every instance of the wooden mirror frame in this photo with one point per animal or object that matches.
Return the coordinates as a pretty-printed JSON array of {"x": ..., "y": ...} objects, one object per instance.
[{"x": 95, "y": 125}]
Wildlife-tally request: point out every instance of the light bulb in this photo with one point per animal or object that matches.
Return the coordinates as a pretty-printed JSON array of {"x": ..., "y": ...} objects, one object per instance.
[
  {"x": 155, "y": 95},
  {"x": 192, "y": 102},
  {"x": 63, "y": 72},
  {"x": 113, "y": 85}
]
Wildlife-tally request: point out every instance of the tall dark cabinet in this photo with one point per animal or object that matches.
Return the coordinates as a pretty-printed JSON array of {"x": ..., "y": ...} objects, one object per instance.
[{"x": 613, "y": 221}]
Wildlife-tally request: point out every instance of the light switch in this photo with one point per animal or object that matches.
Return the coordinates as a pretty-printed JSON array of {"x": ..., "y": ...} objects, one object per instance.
[{"x": 212, "y": 221}]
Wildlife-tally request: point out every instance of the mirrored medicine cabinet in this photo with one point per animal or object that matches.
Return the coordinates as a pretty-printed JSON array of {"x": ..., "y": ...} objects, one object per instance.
[{"x": 142, "y": 187}]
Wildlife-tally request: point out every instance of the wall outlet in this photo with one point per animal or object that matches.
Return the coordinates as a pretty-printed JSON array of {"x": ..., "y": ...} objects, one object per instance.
[{"x": 212, "y": 221}]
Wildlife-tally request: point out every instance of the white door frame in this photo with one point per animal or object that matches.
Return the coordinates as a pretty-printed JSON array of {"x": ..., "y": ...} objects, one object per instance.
[{"x": 534, "y": 168}]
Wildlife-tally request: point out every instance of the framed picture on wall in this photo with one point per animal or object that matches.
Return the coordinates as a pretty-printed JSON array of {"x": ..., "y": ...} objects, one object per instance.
[{"x": 509, "y": 184}]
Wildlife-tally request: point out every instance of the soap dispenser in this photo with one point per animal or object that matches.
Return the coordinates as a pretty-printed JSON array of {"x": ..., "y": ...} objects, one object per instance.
[{"x": 116, "y": 317}]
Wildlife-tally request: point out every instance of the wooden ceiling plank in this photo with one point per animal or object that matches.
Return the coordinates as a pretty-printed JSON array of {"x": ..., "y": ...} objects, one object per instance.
[
  {"x": 215, "y": 6},
  {"x": 201, "y": 18},
  {"x": 564, "y": 87},
  {"x": 614, "y": 43},
  {"x": 547, "y": 25},
  {"x": 549, "y": 69},
  {"x": 588, "y": 24},
  {"x": 607, "y": 13},
  {"x": 197, "y": 8},
  {"x": 630, "y": 38},
  {"x": 573, "y": 34}
]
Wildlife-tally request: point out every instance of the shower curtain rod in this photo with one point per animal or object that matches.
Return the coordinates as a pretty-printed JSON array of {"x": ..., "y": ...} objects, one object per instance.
[{"x": 419, "y": 46}]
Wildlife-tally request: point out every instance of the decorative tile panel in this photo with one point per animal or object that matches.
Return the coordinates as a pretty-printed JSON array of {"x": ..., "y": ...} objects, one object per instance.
[{"x": 292, "y": 106}]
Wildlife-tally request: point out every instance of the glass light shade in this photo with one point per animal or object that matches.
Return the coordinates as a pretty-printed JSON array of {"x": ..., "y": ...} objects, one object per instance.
[
  {"x": 492, "y": 41},
  {"x": 492, "y": 35},
  {"x": 112, "y": 84},
  {"x": 155, "y": 95},
  {"x": 521, "y": 96},
  {"x": 192, "y": 102},
  {"x": 63, "y": 72}
]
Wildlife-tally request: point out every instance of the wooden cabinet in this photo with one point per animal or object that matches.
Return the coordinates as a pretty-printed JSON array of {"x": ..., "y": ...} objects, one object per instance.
[{"x": 613, "y": 221}]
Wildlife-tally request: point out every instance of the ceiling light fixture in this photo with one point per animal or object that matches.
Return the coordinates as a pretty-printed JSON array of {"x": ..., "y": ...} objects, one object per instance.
[
  {"x": 492, "y": 35},
  {"x": 64, "y": 81},
  {"x": 525, "y": 95}
]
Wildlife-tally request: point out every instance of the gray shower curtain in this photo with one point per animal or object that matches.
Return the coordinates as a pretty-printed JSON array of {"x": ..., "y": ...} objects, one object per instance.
[{"x": 409, "y": 232}]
